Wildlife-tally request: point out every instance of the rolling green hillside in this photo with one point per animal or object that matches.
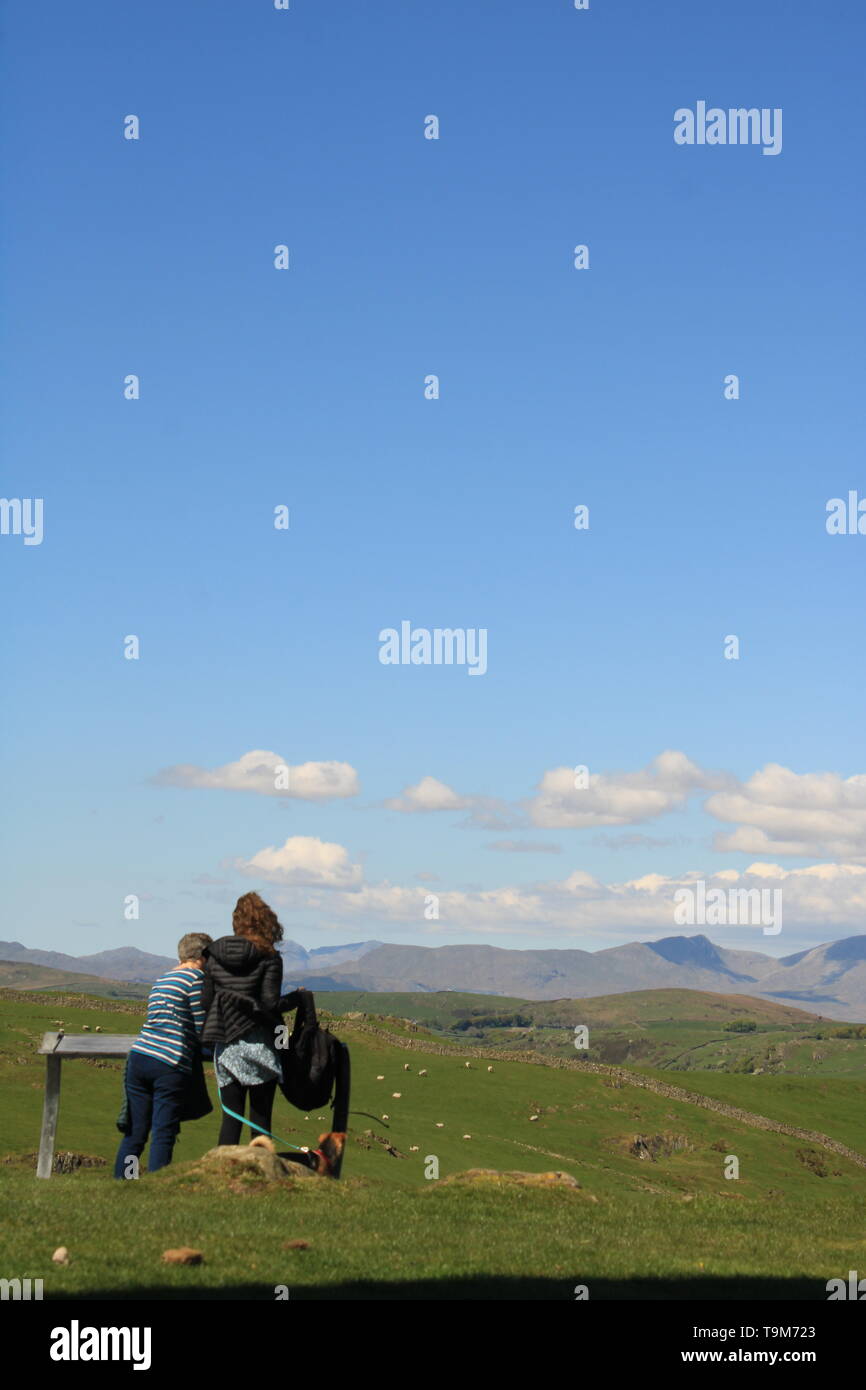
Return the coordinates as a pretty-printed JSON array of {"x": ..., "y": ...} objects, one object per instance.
[
  {"x": 674, "y": 1029},
  {"x": 654, "y": 1215},
  {"x": 448, "y": 1008},
  {"x": 15, "y": 975},
  {"x": 831, "y": 1104}
]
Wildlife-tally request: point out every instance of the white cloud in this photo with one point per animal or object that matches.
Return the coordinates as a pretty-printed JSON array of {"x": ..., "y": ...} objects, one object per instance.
[
  {"x": 524, "y": 847},
  {"x": 485, "y": 812},
  {"x": 427, "y": 795},
  {"x": 824, "y": 897},
  {"x": 492, "y": 813},
  {"x": 635, "y": 840},
  {"x": 779, "y": 812},
  {"x": 619, "y": 798},
  {"x": 264, "y": 773},
  {"x": 305, "y": 861}
]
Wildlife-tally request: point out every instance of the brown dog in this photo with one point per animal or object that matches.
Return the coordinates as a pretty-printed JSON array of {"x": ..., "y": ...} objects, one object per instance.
[
  {"x": 329, "y": 1155},
  {"x": 326, "y": 1160}
]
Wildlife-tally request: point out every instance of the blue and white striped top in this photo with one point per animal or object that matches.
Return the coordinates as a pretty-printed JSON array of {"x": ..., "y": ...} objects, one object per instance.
[{"x": 175, "y": 1016}]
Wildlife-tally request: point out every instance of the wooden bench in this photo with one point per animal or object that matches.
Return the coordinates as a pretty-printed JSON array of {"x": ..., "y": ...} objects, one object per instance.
[{"x": 54, "y": 1048}]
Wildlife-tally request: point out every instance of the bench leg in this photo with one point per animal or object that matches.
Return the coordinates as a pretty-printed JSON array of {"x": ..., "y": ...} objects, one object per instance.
[{"x": 49, "y": 1117}]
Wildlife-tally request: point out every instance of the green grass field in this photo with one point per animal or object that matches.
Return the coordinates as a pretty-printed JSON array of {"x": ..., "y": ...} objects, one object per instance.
[{"x": 666, "y": 1226}]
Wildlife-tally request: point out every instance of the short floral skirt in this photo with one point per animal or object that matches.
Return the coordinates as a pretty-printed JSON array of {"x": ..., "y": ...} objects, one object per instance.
[{"x": 251, "y": 1060}]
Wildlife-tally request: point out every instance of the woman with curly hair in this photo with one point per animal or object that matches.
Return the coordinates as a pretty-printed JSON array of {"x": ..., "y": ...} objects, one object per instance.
[{"x": 241, "y": 993}]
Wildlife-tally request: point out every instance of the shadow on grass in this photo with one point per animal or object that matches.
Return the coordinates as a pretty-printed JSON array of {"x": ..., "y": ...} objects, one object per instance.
[{"x": 493, "y": 1288}]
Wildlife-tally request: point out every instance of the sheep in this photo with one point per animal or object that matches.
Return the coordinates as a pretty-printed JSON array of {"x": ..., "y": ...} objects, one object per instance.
[
  {"x": 468, "y": 1066},
  {"x": 396, "y": 1095},
  {"x": 423, "y": 1073},
  {"x": 467, "y": 1136},
  {"x": 380, "y": 1078},
  {"x": 85, "y": 1027},
  {"x": 386, "y": 1117},
  {"x": 533, "y": 1117},
  {"x": 97, "y": 1029},
  {"x": 413, "y": 1148},
  {"x": 489, "y": 1068},
  {"x": 440, "y": 1124},
  {"x": 406, "y": 1066}
]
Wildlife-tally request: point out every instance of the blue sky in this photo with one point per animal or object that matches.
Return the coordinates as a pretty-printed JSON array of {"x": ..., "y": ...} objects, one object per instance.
[{"x": 305, "y": 387}]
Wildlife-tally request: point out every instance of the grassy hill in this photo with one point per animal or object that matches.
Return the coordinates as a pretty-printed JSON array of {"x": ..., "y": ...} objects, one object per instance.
[
  {"x": 676, "y": 1029},
  {"x": 653, "y": 1216},
  {"x": 20, "y": 975},
  {"x": 673, "y": 1029}
]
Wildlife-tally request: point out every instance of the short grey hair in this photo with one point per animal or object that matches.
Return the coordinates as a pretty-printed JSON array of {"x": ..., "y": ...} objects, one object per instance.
[{"x": 193, "y": 945}]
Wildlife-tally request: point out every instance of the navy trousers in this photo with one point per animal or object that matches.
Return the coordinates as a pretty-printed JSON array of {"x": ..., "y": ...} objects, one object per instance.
[{"x": 156, "y": 1092}]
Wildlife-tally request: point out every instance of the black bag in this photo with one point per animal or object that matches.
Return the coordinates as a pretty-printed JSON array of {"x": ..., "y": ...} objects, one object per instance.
[{"x": 312, "y": 1060}]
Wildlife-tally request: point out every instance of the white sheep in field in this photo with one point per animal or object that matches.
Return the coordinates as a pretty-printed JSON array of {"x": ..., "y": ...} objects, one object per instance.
[
  {"x": 467, "y": 1136},
  {"x": 386, "y": 1117},
  {"x": 97, "y": 1029},
  {"x": 85, "y": 1027},
  {"x": 440, "y": 1124},
  {"x": 468, "y": 1066},
  {"x": 406, "y": 1066},
  {"x": 489, "y": 1068},
  {"x": 380, "y": 1078},
  {"x": 413, "y": 1148},
  {"x": 423, "y": 1073},
  {"x": 395, "y": 1095},
  {"x": 533, "y": 1117}
]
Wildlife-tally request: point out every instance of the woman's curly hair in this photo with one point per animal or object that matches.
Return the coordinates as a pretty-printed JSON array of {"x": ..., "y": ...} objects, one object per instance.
[{"x": 253, "y": 919}]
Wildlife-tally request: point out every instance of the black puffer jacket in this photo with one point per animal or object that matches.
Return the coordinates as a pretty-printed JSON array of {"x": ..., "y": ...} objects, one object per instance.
[{"x": 241, "y": 989}]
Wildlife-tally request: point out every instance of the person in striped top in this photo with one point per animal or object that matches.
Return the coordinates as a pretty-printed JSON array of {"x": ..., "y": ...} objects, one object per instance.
[
  {"x": 175, "y": 1015},
  {"x": 162, "y": 1057}
]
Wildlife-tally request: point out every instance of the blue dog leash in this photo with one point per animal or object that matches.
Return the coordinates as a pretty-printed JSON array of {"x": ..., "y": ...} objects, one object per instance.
[{"x": 251, "y": 1124}]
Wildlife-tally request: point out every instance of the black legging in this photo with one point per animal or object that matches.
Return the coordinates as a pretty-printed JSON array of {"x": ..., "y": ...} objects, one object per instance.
[{"x": 261, "y": 1104}]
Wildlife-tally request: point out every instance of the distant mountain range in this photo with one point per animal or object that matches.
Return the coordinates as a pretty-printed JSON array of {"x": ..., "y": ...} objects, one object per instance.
[
  {"x": 129, "y": 964},
  {"x": 829, "y": 980}
]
